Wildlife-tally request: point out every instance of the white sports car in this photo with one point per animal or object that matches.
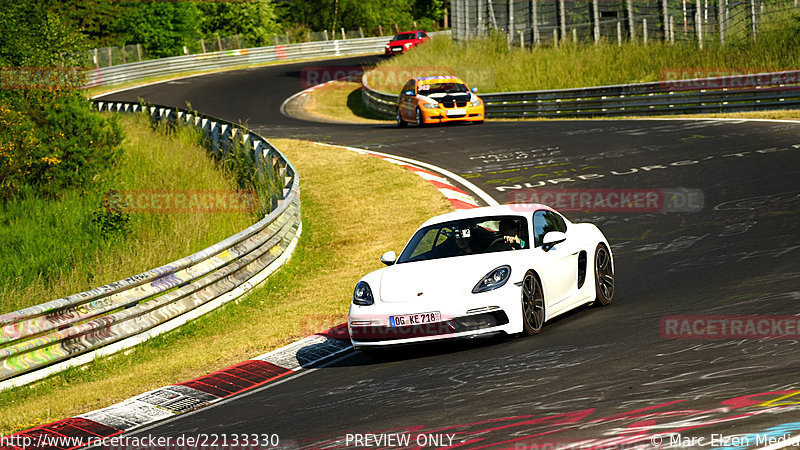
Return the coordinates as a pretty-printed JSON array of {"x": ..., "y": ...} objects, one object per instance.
[{"x": 498, "y": 269}]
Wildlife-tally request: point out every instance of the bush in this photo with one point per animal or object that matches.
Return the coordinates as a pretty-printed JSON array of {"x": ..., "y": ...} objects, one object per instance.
[{"x": 50, "y": 140}]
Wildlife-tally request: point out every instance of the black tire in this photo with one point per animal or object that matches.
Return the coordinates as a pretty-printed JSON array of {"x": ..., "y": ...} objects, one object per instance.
[
  {"x": 477, "y": 122},
  {"x": 533, "y": 313},
  {"x": 400, "y": 122},
  {"x": 603, "y": 275},
  {"x": 420, "y": 120}
]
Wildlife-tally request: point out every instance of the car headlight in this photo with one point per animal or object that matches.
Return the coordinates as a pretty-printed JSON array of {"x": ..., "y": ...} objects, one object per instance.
[
  {"x": 475, "y": 102},
  {"x": 430, "y": 105},
  {"x": 362, "y": 295},
  {"x": 493, "y": 280}
]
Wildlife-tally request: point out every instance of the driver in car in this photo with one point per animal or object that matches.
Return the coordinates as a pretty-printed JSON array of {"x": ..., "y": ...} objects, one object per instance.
[{"x": 508, "y": 229}]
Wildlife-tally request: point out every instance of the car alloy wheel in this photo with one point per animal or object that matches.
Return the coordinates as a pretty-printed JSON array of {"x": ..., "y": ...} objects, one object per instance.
[
  {"x": 420, "y": 120},
  {"x": 532, "y": 304},
  {"x": 603, "y": 275},
  {"x": 400, "y": 122}
]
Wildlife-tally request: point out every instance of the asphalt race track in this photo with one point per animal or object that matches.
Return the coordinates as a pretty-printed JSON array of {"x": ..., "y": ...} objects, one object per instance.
[{"x": 616, "y": 376}]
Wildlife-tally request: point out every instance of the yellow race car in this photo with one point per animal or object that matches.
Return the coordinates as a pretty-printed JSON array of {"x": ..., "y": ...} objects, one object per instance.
[{"x": 438, "y": 99}]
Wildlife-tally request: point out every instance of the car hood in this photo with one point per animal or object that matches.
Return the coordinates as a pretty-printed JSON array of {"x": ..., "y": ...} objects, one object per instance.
[
  {"x": 441, "y": 278},
  {"x": 400, "y": 42}
]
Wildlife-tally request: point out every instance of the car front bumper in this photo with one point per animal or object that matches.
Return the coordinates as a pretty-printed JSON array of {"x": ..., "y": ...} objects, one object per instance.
[
  {"x": 486, "y": 313},
  {"x": 443, "y": 115}
]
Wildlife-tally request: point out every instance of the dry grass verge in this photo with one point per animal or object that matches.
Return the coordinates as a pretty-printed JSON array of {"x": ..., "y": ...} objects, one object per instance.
[{"x": 354, "y": 208}]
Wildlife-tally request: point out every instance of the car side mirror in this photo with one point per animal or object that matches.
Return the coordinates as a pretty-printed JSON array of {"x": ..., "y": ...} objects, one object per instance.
[
  {"x": 390, "y": 257},
  {"x": 552, "y": 238},
  {"x": 474, "y": 90},
  {"x": 408, "y": 93}
]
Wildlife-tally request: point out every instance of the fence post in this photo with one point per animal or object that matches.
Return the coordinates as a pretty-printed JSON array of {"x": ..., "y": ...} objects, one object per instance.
[
  {"x": 479, "y": 27},
  {"x": 343, "y": 35},
  {"x": 575, "y": 36},
  {"x": 361, "y": 32},
  {"x": 753, "y": 26},
  {"x": 521, "y": 39},
  {"x": 325, "y": 33},
  {"x": 619, "y": 33},
  {"x": 721, "y": 20},
  {"x": 97, "y": 61},
  {"x": 110, "y": 63},
  {"x": 596, "y": 22},
  {"x": 236, "y": 36},
  {"x": 631, "y": 22},
  {"x": 380, "y": 30},
  {"x": 219, "y": 42},
  {"x": 288, "y": 39},
  {"x": 465, "y": 6},
  {"x": 203, "y": 45},
  {"x": 644, "y": 31},
  {"x": 671, "y": 29},
  {"x": 698, "y": 24},
  {"x": 665, "y": 12},
  {"x": 555, "y": 37},
  {"x": 510, "y": 21},
  {"x": 535, "y": 21},
  {"x": 562, "y": 19}
]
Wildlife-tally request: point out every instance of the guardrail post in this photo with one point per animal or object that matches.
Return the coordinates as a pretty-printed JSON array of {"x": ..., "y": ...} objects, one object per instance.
[{"x": 214, "y": 128}]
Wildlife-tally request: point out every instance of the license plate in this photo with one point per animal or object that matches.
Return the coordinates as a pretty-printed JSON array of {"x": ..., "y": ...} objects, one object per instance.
[
  {"x": 456, "y": 112},
  {"x": 415, "y": 319},
  {"x": 396, "y": 49}
]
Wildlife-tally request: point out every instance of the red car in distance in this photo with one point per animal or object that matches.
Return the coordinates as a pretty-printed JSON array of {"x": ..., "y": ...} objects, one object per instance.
[{"x": 404, "y": 41}]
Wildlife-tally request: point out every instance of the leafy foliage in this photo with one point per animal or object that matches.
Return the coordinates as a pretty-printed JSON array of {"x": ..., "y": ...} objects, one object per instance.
[
  {"x": 254, "y": 21},
  {"x": 162, "y": 28},
  {"x": 50, "y": 140}
]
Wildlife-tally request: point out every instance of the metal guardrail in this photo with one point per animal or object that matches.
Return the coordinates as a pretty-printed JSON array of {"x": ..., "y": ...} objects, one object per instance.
[
  {"x": 233, "y": 58},
  {"x": 775, "y": 90},
  {"x": 39, "y": 336}
]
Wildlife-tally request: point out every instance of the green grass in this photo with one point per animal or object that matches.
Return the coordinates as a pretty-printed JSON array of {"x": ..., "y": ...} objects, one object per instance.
[
  {"x": 53, "y": 248},
  {"x": 341, "y": 101},
  {"x": 346, "y": 227},
  {"x": 489, "y": 65}
]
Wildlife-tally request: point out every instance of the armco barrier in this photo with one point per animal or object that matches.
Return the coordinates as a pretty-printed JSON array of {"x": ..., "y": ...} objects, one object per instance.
[
  {"x": 233, "y": 58},
  {"x": 777, "y": 90},
  {"x": 37, "y": 337}
]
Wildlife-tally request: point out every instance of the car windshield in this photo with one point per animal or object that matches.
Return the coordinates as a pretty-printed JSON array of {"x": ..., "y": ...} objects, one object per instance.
[
  {"x": 442, "y": 88},
  {"x": 471, "y": 236},
  {"x": 403, "y": 36}
]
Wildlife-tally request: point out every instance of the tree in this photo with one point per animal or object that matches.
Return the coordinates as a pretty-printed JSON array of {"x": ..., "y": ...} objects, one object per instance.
[
  {"x": 254, "y": 20},
  {"x": 162, "y": 28},
  {"x": 30, "y": 35}
]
